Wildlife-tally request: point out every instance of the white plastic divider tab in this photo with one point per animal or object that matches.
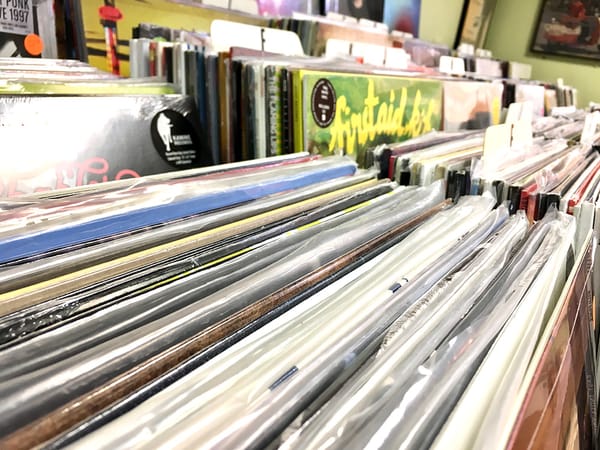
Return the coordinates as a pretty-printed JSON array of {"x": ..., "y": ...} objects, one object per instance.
[
  {"x": 466, "y": 49},
  {"x": 445, "y": 64},
  {"x": 483, "y": 53},
  {"x": 519, "y": 71},
  {"x": 451, "y": 65},
  {"x": 522, "y": 134},
  {"x": 370, "y": 53},
  {"x": 337, "y": 47},
  {"x": 396, "y": 58},
  {"x": 226, "y": 34},
  {"x": 592, "y": 120},
  {"x": 519, "y": 111},
  {"x": 497, "y": 140},
  {"x": 458, "y": 66}
]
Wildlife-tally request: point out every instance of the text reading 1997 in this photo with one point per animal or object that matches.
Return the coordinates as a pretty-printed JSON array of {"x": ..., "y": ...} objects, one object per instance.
[{"x": 16, "y": 11}]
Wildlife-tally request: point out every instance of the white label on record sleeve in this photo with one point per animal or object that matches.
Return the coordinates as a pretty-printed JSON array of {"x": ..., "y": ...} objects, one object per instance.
[{"x": 16, "y": 16}]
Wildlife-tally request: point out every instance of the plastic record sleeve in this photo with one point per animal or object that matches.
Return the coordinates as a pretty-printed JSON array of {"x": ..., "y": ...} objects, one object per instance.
[
  {"x": 21, "y": 323},
  {"x": 412, "y": 338},
  {"x": 30, "y": 272},
  {"x": 130, "y": 183},
  {"x": 176, "y": 363},
  {"x": 267, "y": 379},
  {"x": 75, "y": 337},
  {"x": 39, "y": 292},
  {"x": 137, "y": 210},
  {"x": 415, "y": 410},
  {"x": 505, "y": 365},
  {"x": 38, "y": 392}
]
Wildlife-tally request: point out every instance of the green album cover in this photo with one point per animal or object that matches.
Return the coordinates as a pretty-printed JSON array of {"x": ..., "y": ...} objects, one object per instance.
[{"x": 349, "y": 112}]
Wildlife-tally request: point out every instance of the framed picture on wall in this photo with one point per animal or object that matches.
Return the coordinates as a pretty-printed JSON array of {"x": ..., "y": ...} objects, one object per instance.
[
  {"x": 568, "y": 27},
  {"x": 475, "y": 21}
]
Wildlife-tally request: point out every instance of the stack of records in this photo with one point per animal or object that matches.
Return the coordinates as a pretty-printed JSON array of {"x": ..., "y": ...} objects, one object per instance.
[{"x": 293, "y": 301}]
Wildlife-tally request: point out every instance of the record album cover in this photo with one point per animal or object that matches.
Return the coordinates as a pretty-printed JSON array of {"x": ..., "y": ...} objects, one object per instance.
[
  {"x": 124, "y": 137},
  {"x": 107, "y": 24},
  {"x": 471, "y": 105},
  {"x": 349, "y": 113}
]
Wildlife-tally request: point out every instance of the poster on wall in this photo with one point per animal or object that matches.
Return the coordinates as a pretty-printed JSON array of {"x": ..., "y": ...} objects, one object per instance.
[
  {"x": 403, "y": 15},
  {"x": 569, "y": 27}
]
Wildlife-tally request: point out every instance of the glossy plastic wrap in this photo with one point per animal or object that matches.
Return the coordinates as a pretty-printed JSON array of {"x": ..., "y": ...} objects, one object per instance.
[
  {"x": 71, "y": 281},
  {"x": 98, "y": 407},
  {"x": 568, "y": 131},
  {"x": 518, "y": 158},
  {"x": 562, "y": 375},
  {"x": 131, "y": 183},
  {"x": 36, "y": 270},
  {"x": 246, "y": 396},
  {"x": 409, "y": 342},
  {"x": 43, "y": 390},
  {"x": 544, "y": 124},
  {"x": 508, "y": 359},
  {"x": 414, "y": 412},
  {"x": 28, "y": 320},
  {"x": 136, "y": 311},
  {"x": 554, "y": 173},
  {"x": 64, "y": 223}
]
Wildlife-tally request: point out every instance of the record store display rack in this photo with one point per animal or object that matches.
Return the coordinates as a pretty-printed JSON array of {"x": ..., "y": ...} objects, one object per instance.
[
  {"x": 301, "y": 302},
  {"x": 242, "y": 249}
]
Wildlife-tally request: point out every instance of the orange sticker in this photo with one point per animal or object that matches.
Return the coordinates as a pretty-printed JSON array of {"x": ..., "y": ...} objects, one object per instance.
[{"x": 34, "y": 44}]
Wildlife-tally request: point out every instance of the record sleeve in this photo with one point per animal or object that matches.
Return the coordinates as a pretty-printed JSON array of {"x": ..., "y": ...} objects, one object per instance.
[
  {"x": 181, "y": 204},
  {"x": 281, "y": 387}
]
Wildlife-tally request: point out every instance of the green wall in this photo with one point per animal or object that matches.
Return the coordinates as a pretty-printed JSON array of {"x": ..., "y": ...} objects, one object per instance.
[
  {"x": 439, "y": 20},
  {"x": 510, "y": 35}
]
